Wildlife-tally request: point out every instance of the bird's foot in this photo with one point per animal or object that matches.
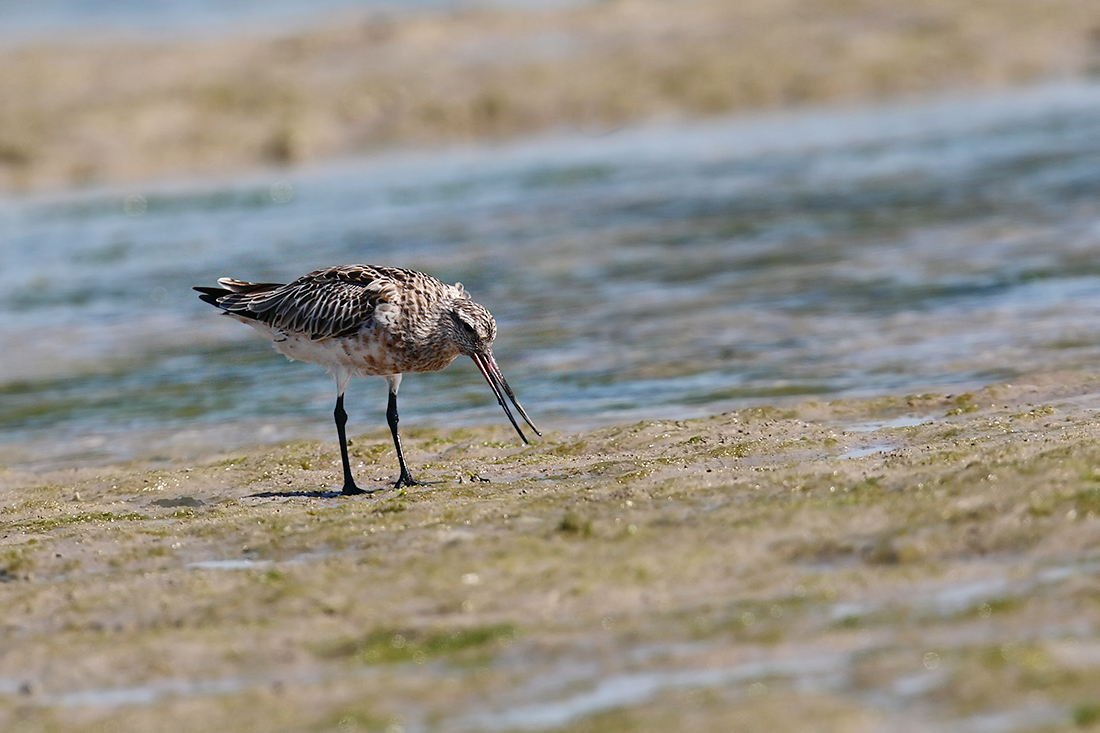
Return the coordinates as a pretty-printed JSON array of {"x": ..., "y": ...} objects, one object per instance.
[
  {"x": 352, "y": 490},
  {"x": 407, "y": 480}
]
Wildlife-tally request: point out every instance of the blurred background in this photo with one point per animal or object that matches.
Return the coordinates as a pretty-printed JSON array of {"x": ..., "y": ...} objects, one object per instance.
[{"x": 672, "y": 208}]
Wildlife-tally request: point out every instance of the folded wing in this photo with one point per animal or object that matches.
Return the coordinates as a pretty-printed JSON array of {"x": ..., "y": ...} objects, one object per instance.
[{"x": 333, "y": 302}]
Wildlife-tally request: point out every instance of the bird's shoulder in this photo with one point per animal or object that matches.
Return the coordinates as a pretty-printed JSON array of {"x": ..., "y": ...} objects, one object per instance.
[{"x": 379, "y": 283}]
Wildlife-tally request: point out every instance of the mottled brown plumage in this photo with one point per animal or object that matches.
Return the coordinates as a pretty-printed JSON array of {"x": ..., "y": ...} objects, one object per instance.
[{"x": 363, "y": 320}]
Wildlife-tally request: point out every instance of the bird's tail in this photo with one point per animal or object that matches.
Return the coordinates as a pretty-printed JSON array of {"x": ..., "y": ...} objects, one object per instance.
[
  {"x": 240, "y": 286},
  {"x": 211, "y": 295},
  {"x": 229, "y": 286}
]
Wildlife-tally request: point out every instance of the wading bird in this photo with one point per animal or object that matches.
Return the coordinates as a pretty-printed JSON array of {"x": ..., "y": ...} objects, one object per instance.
[{"x": 362, "y": 320}]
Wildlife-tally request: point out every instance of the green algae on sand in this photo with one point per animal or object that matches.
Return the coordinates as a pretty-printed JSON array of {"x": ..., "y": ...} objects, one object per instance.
[{"x": 849, "y": 565}]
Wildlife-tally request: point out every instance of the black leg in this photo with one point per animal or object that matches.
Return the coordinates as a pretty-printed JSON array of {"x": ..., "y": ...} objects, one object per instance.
[
  {"x": 341, "y": 420},
  {"x": 406, "y": 478}
]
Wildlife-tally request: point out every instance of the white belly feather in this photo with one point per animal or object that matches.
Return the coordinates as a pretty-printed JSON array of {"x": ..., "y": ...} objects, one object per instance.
[{"x": 365, "y": 354}]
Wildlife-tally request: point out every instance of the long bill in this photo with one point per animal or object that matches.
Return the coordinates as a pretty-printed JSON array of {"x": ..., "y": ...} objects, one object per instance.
[{"x": 491, "y": 372}]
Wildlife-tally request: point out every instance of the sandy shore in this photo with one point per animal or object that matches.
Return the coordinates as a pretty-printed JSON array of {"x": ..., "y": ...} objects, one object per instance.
[
  {"x": 900, "y": 563},
  {"x": 120, "y": 110}
]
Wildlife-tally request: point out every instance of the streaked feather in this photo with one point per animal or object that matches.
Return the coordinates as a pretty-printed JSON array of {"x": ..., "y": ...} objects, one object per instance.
[{"x": 332, "y": 302}]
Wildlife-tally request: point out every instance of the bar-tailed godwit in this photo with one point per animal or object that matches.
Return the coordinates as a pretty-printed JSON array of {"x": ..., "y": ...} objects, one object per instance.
[{"x": 361, "y": 320}]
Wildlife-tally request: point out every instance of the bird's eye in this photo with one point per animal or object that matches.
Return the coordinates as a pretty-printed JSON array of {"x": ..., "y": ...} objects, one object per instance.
[{"x": 466, "y": 327}]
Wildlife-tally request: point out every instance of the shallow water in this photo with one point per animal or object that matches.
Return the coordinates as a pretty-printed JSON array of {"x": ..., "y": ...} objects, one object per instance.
[{"x": 666, "y": 271}]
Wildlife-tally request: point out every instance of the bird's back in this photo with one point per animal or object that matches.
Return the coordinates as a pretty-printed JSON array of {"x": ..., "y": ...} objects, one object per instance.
[{"x": 363, "y": 318}]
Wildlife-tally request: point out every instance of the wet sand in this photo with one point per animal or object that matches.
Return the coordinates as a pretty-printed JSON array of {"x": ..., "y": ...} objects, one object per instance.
[
  {"x": 96, "y": 111},
  {"x": 900, "y": 563}
]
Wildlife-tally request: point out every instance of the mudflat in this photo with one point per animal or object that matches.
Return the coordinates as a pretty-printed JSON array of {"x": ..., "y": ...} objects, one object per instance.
[
  {"x": 109, "y": 110},
  {"x": 901, "y": 563}
]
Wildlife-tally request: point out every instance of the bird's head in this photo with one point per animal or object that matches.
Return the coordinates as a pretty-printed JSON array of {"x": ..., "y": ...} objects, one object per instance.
[
  {"x": 473, "y": 331},
  {"x": 471, "y": 327}
]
